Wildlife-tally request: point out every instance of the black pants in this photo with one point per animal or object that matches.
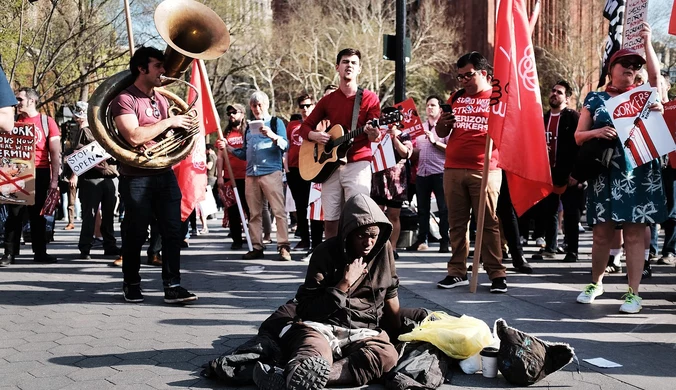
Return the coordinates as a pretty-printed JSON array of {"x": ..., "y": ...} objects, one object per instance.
[
  {"x": 233, "y": 214},
  {"x": 300, "y": 191},
  {"x": 146, "y": 197},
  {"x": 548, "y": 211},
  {"x": 15, "y": 213},
  {"x": 95, "y": 192},
  {"x": 510, "y": 222}
]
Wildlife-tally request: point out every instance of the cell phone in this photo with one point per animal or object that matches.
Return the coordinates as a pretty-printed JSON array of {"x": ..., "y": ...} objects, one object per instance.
[{"x": 446, "y": 108}]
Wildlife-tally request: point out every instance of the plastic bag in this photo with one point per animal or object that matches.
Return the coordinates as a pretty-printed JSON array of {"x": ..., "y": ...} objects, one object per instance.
[{"x": 458, "y": 338}]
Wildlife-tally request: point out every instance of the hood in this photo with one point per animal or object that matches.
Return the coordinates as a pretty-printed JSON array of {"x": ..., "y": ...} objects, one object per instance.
[{"x": 358, "y": 211}]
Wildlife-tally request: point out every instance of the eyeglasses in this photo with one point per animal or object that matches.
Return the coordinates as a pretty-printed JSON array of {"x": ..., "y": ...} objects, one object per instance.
[
  {"x": 465, "y": 76},
  {"x": 629, "y": 64},
  {"x": 156, "y": 110},
  {"x": 305, "y": 105},
  {"x": 232, "y": 112}
]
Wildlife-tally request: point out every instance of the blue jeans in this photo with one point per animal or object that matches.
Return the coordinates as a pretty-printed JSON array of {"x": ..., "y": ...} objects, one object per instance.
[
  {"x": 669, "y": 182},
  {"x": 424, "y": 187},
  {"x": 145, "y": 198}
]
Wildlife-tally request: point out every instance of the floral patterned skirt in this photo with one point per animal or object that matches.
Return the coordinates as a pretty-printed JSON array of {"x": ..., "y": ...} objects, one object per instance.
[{"x": 625, "y": 195}]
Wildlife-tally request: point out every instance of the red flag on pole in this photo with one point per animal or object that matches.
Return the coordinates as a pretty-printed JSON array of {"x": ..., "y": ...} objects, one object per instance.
[
  {"x": 672, "y": 21},
  {"x": 515, "y": 122},
  {"x": 191, "y": 173}
]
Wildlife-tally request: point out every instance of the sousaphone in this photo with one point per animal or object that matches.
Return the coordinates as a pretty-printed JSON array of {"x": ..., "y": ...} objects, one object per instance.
[{"x": 192, "y": 31}]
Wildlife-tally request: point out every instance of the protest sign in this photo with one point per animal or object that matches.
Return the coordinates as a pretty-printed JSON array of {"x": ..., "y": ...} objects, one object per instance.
[
  {"x": 86, "y": 158},
  {"x": 382, "y": 154},
  {"x": 635, "y": 13},
  {"x": 315, "y": 212},
  {"x": 644, "y": 133},
  {"x": 17, "y": 165},
  {"x": 411, "y": 122},
  {"x": 670, "y": 119}
]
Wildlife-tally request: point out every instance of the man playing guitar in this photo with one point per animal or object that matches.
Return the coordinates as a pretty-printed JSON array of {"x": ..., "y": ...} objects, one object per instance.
[{"x": 355, "y": 176}]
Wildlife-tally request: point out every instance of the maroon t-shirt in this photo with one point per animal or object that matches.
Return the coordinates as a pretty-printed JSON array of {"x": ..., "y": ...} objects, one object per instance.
[
  {"x": 337, "y": 108},
  {"x": 295, "y": 140},
  {"x": 133, "y": 101}
]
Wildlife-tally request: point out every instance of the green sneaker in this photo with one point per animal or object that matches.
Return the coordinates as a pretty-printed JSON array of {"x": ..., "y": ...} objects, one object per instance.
[
  {"x": 590, "y": 293},
  {"x": 632, "y": 303}
]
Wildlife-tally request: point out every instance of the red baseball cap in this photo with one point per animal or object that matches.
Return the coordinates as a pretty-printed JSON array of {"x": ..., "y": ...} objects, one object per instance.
[{"x": 625, "y": 53}]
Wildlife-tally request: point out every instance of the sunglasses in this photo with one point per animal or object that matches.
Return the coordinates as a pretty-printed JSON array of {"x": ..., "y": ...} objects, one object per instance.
[
  {"x": 629, "y": 64},
  {"x": 305, "y": 105},
  {"x": 465, "y": 76},
  {"x": 233, "y": 113},
  {"x": 156, "y": 110}
]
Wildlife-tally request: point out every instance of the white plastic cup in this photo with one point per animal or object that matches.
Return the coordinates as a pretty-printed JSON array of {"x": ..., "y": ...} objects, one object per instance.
[{"x": 489, "y": 362}]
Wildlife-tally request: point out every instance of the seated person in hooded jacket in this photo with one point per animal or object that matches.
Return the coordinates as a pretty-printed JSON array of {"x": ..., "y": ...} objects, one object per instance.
[{"x": 349, "y": 296}]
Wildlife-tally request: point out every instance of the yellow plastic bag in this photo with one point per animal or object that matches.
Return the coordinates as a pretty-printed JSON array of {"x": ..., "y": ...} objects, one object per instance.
[{"x": 458, "y": 338}]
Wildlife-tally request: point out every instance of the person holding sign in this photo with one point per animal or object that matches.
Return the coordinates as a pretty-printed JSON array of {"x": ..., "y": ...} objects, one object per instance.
[
  {"x": 47, "y": 167},
  {"x": 620, "y": 194},
  {"x": 7, "y": 103},
  {"x": 98, "y": 187}
]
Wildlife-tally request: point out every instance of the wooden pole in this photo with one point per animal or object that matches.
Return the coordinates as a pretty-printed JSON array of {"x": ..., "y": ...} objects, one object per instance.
[
  {"x": 130, "y": 31},
  {"x": 481, "y": 215}
]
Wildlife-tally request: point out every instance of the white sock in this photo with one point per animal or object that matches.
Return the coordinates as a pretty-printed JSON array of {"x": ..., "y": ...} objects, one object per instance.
[
  {"x": 647, "y": 255},
  {"x": 617, "y": 255}
]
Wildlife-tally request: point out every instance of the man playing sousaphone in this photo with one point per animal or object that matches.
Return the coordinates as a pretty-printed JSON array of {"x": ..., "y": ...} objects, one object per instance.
[{"x": 140, "y": 116}]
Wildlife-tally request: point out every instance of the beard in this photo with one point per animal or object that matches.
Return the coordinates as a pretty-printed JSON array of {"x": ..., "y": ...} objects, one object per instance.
[
  {"x": 235, "y": 122},
  {"x": 554, "y": 104}
]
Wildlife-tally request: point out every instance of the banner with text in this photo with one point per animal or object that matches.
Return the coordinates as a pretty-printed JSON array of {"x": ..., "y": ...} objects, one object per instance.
[
  {"x": 86, "y": 158},
  {"x": 644, "y": 133},
  {"x": 17, "y": 165},
  {"x": 635, "y": 13},
  {"x": 411, "y": 122}
]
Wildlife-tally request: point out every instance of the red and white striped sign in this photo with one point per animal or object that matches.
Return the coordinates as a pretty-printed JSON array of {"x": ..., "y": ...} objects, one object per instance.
[
  {"x": 315, "y": 211},
  {"x": 382, "y": 154}
]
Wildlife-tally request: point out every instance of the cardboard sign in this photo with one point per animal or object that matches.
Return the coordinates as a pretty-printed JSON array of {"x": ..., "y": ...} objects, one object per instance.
[
  {"x": 670, "y": 119},
  {"x": 382, "y": 154},
  {"x": 315, "y": 211},
  {"x": 635, "y": 13},
  {"x": 17, "y": 165},
  {"x": 412, "y": 122},
  {"x": 87, "y": 158},
  {"x": 644, "y": 133}
]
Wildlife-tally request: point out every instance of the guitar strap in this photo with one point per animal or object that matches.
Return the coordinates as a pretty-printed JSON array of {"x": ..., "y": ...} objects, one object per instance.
[{"x": 356, "y": 107}]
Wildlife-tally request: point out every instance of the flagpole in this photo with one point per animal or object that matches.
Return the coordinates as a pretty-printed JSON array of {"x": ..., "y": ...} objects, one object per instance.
[
  {"x": 481, "y": 217},
  {"x": 130, "y": 32},
  {"x": 227, "y": 162}
]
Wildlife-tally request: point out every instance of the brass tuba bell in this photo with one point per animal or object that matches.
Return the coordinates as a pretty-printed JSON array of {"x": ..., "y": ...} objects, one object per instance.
[{"x": 192, "y": 31}]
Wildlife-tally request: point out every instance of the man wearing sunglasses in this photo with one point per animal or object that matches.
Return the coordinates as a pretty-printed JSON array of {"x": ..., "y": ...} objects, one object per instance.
[
  {"x": 141, "y": 115},
  {"x": 560, "y": 125},
  {"x": 463, "y": 172}
]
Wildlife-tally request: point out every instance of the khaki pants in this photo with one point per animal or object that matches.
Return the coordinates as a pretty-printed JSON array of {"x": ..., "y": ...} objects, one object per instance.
[
  {"x": 461, "y": 190},
  {"x": 271, "y": 187}
]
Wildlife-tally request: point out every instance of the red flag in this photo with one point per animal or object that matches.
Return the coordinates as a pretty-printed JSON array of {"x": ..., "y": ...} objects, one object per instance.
[
  {"x": 515, "y": 122},
  {"x": 672, "y": 21},
  {"x": 191, "y": 173}
]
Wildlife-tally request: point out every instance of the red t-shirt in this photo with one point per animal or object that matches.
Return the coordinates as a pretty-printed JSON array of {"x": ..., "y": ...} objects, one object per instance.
[
  {"x": 551, "y": 135},
  {"x": 337, "y": 108},
  {"x": 133, "y": 101},
  {"x": 41, "y": 144},
  {"x": 238, "y": 166},
  {"x": 467, "y": 142},
  {"x": 295, "y": 140}
]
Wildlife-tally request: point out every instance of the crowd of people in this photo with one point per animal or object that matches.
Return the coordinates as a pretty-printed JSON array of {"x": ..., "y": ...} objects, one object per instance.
[{"x": 351, "y": 283}]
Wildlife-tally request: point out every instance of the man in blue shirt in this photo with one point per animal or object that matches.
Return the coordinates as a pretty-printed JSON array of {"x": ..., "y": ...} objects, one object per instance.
[
  {"x": 263, "y": 151},
  {"x": 7, "y": 103}
]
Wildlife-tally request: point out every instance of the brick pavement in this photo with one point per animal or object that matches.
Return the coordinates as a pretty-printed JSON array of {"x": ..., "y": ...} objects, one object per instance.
[{"x": 66, "y": 326}]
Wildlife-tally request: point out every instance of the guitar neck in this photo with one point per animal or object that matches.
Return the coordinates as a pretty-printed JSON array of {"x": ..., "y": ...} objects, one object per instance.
[{"x": 348, "y": 136}]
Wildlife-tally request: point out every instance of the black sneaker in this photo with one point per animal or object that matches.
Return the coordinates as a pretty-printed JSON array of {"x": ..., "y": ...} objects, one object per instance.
[
  {"x": 499, "y": 286},
  {"x": 178, "y": 295},
  {"x": 570, "y": 257},
  {"x": 521, "y": 265},
  {"x": 308, "y": 374},
  {"x": 236, "y": 246},
  {"x": 612, "y": 267},
  {"x": 85, "y": 256},
  {"x": 544, "y": 254},
  {"x": 132, "y": 293},
  {"x": 443, "y": 247},
  {"x": 453, "y": 281},
  {"x": 6, "y": 259},
  {"x": 268, "y": 377},
  {"x": 647, "y": 270},
  {"x": 253, "y": 254}
]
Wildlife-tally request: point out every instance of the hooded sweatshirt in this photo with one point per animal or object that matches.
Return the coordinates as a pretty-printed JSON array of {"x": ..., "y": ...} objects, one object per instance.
[{"x": 362, "y": 306}]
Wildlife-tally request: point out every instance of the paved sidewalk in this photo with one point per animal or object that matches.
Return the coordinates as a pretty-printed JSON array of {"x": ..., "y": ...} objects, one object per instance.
[{"x": 66, "y": 325}]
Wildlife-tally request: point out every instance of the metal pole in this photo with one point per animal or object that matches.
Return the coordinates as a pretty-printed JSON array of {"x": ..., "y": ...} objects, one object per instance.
[
  {"x": 130, "y": 32},
  {"x": 400, "y": 59}
]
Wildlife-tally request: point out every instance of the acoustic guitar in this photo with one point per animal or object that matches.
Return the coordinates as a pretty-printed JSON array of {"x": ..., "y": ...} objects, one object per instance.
[{"x": 317, "y": 162}]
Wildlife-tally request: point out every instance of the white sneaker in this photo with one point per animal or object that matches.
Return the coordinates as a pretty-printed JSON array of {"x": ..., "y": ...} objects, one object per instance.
[
  {"x": 540, "y": 242},
  {"x": 632, "y": 303},
  {"x": 591, "y": 291}
]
